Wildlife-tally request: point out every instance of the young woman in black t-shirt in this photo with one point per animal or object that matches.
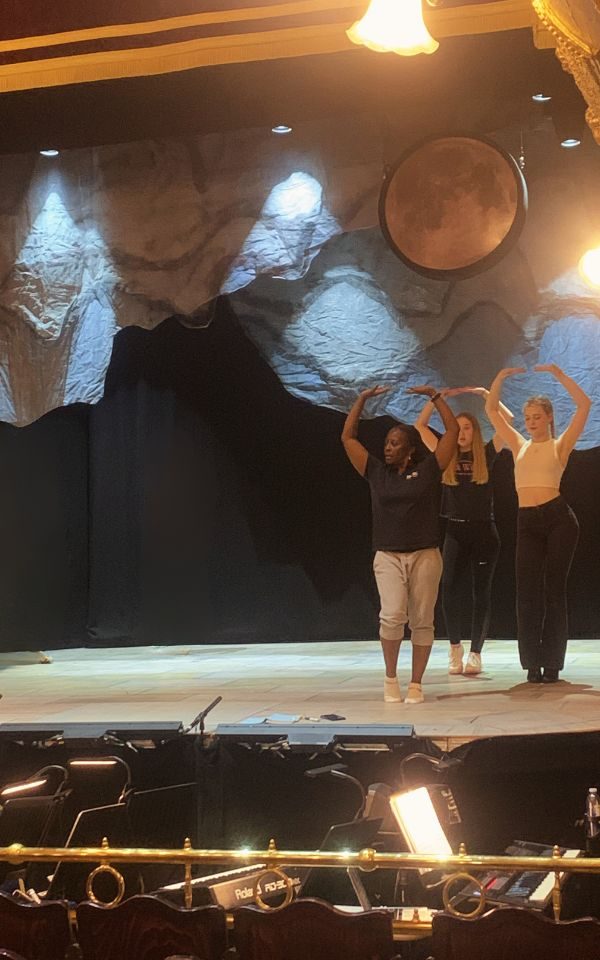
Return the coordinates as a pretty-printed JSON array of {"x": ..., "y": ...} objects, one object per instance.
[
  {"x": 405, "y": 507},
  {"x": 471, "y": 544}
]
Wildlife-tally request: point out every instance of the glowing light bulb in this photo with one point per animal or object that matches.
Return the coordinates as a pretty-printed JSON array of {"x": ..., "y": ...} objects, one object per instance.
[
  {"x": 589, "y": 267},
  {"x": 394, "y": 26}
]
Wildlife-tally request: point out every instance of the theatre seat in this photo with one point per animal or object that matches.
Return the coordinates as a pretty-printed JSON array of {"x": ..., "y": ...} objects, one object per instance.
[
  {"x": 146, "y": 928},
  {"x": 312, "y": 930},
  {"x": 512, "y": 933},
  {"x": 36, "y": 931}
]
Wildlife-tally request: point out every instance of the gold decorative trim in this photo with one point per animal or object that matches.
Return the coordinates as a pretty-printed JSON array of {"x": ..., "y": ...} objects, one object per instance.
[
  {"x": 559, "y": 29},
  {"x": 289, "y": 889},
  {"x": 447, "y": 900},
  {"x": 576, "y": 58},
  {"x": 480, "y": 18},
  {"x": 236, "y": 48},
  {"x": 166, "y": 24},
  {"x": 89, "y": 885}
]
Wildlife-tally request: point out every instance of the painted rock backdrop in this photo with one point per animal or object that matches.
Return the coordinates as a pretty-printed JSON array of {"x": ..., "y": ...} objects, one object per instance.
[{"x": 100, "y": 239}]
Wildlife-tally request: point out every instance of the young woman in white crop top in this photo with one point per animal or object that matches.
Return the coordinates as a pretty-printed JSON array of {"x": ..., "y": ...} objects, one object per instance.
[{"x": 547, "y": 529}]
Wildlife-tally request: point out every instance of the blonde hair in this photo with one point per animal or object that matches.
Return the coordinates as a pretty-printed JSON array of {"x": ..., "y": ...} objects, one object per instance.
[
  {"x": 480, "y": 470},
  {"x": 546, "y": 404}
]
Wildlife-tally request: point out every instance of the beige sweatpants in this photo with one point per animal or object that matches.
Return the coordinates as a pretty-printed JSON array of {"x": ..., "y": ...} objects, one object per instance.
[{"x": 408, "y": 587}]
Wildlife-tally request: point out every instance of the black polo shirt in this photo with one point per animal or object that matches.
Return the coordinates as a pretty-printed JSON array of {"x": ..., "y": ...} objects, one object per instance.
[{"x": 405, "y": 506}]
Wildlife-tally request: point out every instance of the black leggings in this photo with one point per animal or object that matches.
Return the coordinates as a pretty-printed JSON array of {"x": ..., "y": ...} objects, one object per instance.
[
  {"x": 470, "y": 551},
  {"x": 546, "y": 541}
]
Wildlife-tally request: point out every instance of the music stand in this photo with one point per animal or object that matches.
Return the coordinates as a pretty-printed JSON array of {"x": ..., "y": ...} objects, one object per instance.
[
  {"x": 331, "y": 884},
  {"x": 162, "y": 817},
  {"x": 26, "y": 820},
  {"x": 89, "y": 829}
]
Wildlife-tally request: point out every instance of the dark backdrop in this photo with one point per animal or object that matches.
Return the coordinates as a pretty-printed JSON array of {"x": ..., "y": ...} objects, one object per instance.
[{"x": 199, "y": 502}]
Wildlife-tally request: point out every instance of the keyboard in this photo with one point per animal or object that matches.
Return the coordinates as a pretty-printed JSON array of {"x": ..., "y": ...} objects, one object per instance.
[
  {"x": 232, "y": 888},
  {"x": 528, "y": 888}
]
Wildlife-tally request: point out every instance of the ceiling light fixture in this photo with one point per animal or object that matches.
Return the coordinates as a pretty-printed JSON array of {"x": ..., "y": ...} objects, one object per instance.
[
  {"x": 570, "y": 142},
  {"x": 541, "y": 97},
  {"x": 281, "y": 129},
  {"x": 393, "y": 26},
  {"x": 49, "y": 153}
]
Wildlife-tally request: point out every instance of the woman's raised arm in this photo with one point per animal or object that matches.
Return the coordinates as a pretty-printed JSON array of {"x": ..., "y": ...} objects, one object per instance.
[
  {"x": 356, "y": 453},
  {"x": 570, "y": 436}
]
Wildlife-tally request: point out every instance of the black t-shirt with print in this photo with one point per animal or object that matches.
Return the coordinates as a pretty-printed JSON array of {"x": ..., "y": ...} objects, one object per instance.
[
  {"x": 468, "y": 500},
  {"x": 405, "y": 506}
]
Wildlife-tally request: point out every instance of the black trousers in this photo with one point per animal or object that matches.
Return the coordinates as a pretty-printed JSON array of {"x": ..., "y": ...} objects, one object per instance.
[
  {"x": 546, "y": 541},
  {"x": 470, "y": 553}
]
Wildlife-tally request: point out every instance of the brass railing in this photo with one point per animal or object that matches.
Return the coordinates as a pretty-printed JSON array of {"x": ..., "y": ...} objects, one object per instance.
[{"x": 459, "y": 866}]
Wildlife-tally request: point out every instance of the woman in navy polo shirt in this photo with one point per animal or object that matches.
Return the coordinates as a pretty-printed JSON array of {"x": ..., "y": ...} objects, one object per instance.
[{"x": 405, "y": 509}]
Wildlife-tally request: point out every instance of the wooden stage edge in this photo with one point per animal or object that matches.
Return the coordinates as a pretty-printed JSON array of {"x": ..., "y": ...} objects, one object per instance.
[{"x": 306, "y": 680}]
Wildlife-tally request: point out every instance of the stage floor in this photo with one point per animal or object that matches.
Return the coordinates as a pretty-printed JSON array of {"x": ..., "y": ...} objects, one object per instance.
[{"x": 311, "y": 679}]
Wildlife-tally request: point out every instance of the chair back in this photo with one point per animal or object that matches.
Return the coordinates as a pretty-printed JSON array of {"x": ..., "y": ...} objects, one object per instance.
[
  {"x": 513, "y": 933},
  {"x": 312, "y": 930},
  {"x": 38, "y": 931},
  {"x": 146, "y": 928}
]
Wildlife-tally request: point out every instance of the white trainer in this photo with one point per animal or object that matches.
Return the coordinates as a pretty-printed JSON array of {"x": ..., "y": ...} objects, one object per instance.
[
  {"x": 473, "y": 664},
  {"x": 455, "y": 658},
  {"x": 391, "y": 690},
  {"x": 415, "y": 694}
]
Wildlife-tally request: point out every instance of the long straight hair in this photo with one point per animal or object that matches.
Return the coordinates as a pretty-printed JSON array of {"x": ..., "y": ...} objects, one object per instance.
[
  {"x": 480, "y": 470},
  {"x": 546, "y": 404}
]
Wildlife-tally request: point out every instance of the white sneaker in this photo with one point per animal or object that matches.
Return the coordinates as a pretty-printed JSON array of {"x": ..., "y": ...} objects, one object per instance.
[
  {"x": 473, "y": 664},
  {"x": 391, "y": 690},
  {"x": 415, "y": 694},
  {"x": 455, "y": 658}
]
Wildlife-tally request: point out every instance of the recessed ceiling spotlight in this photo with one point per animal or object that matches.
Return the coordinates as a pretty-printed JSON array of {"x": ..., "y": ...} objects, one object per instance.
[
  {"x": 541, "y": 97},
  {"x": 281, "y": 129},
  {"x": 570, "y": 142},
  {"x": 49, "y": 153}
]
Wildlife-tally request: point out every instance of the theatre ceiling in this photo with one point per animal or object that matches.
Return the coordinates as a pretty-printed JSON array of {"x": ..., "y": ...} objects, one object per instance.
[{"x": 104, "y": 72}]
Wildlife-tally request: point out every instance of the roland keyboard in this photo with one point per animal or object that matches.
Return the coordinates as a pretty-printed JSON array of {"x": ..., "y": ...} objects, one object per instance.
[{"x": 232, "y": 888}]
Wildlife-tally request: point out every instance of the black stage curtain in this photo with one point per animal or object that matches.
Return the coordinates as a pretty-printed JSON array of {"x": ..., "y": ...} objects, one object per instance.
[
  {"x": 44, "y": 531},
  {"x": 198, "y": 502}
]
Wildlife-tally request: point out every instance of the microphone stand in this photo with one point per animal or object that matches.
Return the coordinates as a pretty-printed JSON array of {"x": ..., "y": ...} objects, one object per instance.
[{"x": 198, "y": 721}]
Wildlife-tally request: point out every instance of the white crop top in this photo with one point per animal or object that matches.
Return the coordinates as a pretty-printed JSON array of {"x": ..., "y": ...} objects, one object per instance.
[{"x": 538, "y": 465}]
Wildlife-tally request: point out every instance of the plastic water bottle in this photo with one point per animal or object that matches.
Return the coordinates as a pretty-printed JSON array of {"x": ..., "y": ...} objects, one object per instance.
[{"x": 592, "y": 813}]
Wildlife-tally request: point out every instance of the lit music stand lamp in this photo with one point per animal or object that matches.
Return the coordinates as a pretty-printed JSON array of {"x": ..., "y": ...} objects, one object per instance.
[
  {"x": 419, "y": 822},
  {"x": 103, "y": 762},
  {"x": 421, "y": 827}
]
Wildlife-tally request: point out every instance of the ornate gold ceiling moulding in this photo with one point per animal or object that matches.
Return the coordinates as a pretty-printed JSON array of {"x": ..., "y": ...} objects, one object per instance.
[{"x": 577, "y": 53}]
